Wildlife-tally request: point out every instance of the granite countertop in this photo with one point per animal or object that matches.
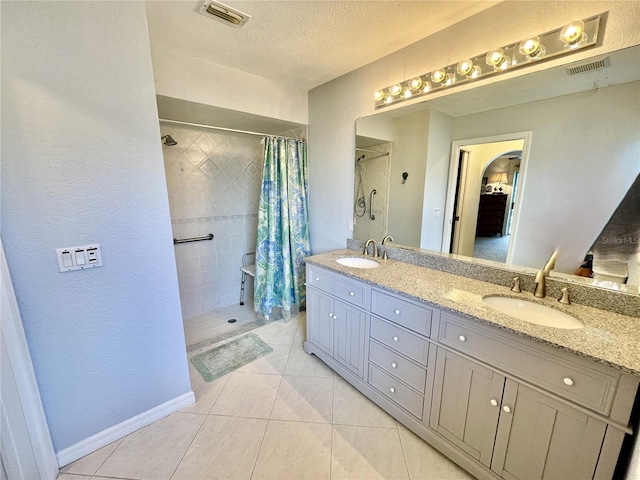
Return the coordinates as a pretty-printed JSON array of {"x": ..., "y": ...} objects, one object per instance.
[{"x": 608, "y": 338}]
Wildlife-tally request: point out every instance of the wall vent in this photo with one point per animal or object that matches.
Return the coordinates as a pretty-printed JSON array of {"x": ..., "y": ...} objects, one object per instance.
[
  {"x": 224, "y": 13},
  {"x": 588, "y": 67}
]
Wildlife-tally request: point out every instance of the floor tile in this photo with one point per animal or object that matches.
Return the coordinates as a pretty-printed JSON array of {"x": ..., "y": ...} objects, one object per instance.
[
  {"x": 96, "y": 477},
  {"x": 426, "y": 463},
  {"x": 71, "y": 476},
  {"x": 302, "y": 364},
  {"x": 350, "y": 407},
  {"x": 225, "y": 447},
  {"x": 307, "y": 399},
  {"x": 247, "y": 395},
  {"x": 206, "y": 393},
  {"x": 89, "y": 464},
  {"x": 273, "y": 363},
  {"x": 294, "y": 450},
  {"x": 278, "y": 332},
  {"x": 154, "y": 451},
  {"x": 367, "y": 453}
]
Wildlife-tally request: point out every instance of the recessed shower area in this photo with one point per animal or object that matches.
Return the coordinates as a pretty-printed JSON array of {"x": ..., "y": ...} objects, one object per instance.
[{"x": 213, "y": 161}]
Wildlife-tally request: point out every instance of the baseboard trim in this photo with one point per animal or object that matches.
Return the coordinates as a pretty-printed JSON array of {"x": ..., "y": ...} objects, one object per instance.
[{"x": 111, "y": 434}]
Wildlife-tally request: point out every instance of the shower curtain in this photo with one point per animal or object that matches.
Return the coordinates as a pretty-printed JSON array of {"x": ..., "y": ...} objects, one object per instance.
[{"x": 283, "y": 227}]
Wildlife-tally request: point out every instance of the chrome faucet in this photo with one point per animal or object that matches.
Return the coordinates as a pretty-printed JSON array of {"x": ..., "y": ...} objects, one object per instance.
[
  {"x": 541, "y": 287},
  {"x": 366, "y": 247},
  {"x": 388, "y": 237}
]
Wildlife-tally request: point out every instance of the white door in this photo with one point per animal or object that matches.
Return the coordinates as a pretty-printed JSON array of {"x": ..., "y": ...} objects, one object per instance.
[{"x": 26, "y": 451}]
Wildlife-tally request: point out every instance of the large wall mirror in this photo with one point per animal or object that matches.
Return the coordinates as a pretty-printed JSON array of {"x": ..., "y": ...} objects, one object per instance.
[{"x": 511, "y": 171}]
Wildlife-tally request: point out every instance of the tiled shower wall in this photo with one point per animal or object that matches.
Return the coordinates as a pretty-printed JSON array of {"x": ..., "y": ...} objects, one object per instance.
[{"x": 213, "y": 180}]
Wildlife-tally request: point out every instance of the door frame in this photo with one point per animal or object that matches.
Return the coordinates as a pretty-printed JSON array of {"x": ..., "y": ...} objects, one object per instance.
[{"x": 456, "y": 147}]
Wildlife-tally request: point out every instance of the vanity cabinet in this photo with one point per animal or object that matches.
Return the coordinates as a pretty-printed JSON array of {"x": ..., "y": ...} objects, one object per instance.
[
  {"x": 498, "y": 404},
  {"x": 337, "y": 327}
]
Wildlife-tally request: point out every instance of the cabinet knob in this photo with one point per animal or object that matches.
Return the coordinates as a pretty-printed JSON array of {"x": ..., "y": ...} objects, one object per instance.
[
  {"x": 394, "y": 364},
  {"x": 494, "y": 402},
  {"x": 396, "y": 311},
  {"x": 567, "y": 381},
  {"x": 392, "y": 389},
  {"x": 334, "y": 317},
  {"x": 330, "y": 315},
  {"x": 395, "y": 339},
  {"x": 462, "y": 338},
  {"x": 351, "y": 294},
  {"x": 506, "y": 409},
  {"x": 317, "y": 279}
]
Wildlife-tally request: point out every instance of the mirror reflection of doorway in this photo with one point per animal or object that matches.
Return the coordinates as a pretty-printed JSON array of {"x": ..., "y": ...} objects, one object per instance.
[{"x": 482, "y": 203}]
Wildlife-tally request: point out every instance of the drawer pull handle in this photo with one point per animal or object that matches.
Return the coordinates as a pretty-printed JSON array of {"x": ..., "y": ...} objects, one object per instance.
[
  {"x": 351, "y": 294},
  {"x": 494, "y": 402},
  {"x": 396, "y": 311},
  {"x": 506, "y": 409},
  {"x": 395, "y": 339},
  {"x": 394, "y": 364},
  {"x": 393, "y": 390},
  {"x": 567, "y": 381},
  {"x": 462, "y": 338}
]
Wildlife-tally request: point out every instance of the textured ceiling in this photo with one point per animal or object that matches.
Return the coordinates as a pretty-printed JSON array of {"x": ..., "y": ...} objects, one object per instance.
[{"x": 302, "y": 43}]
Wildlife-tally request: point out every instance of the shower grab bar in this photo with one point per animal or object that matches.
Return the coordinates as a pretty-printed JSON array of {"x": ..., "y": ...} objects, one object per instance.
[
  {"x": 194, "y": 239},
  {"x": 371, "y": 215}
]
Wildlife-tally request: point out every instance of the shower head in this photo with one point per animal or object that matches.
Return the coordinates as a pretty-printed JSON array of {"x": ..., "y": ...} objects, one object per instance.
[{"x": 168, "y": 141}]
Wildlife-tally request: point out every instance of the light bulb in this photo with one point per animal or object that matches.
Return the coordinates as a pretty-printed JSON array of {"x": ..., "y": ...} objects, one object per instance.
[
  {"x": 573, "y": 34},
  {"x": 530, "y": 47},
  {"x": 378, "y": 95},
  {"x": 495, "y": 57},
  {"x": 426, "y": 87},
  {"x": 388, "y": 99},
  {"x": 464, "y": 67},
  {"x": 448, "y": 80},
  {"x": 395, "y": 89},
  {"x": 506, "y": 63},
  {"x": 475, "y": 72},
  {"x": 416, "y": 83},
  {"x": 438, "y": 75},
  {"x": 407, "y": 93}
]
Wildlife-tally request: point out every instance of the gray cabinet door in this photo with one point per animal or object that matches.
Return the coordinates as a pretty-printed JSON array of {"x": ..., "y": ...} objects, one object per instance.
[
  {"x": 466, "y": 404},
  {"x": 542, "y": 438},
  {"x": 320, "y": 320},
  {"x": 349, "y": 334}
]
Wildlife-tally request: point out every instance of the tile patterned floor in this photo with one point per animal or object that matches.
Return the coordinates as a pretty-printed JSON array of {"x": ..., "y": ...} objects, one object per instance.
[{"x": 284, "y": 416}]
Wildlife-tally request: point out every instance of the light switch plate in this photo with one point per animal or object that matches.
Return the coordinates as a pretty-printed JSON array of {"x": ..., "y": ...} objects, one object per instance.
[{"x": 79, "y": 258}]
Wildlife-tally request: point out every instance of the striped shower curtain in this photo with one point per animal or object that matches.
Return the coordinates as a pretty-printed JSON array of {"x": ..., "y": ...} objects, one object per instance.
[{"x": 283, "y": 227}]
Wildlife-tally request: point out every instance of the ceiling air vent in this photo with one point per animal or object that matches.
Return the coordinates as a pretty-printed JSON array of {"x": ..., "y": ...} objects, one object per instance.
[
  {"x": 225, "y": 14},
  {"x": 588, "y": 67}
]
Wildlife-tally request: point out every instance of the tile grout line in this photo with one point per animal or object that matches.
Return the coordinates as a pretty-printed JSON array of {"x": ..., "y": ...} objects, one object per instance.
[
  {"x": 404, "y": 454},
  {"x": 255, "y": 462},
  {"x": 109, "y": 456},
  {"x": 187, "y": 449}
]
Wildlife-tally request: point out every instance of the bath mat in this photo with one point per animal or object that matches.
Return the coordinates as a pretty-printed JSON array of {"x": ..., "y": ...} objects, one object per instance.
[{"x": 226, "y": 358}]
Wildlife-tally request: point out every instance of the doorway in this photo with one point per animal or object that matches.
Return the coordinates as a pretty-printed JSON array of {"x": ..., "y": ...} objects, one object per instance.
[{"x": 486, "y": 175}]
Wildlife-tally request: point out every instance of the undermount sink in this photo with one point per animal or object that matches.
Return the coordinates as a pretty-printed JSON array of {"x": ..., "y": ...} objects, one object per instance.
[
  {"x": 357, "y": 262},
  {"x": 533, "y": 312}
]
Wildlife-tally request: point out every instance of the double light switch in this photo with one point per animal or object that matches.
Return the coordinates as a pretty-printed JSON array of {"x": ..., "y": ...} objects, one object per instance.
[{"x": 79, "y": 258}]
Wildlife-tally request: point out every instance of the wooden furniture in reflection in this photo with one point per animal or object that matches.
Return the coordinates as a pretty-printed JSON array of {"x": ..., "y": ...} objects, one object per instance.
[{"x": 491, "y": 215}]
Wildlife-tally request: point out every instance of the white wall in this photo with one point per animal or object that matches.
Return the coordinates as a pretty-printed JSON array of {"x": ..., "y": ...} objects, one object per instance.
[
  {"x": 194, "y": 79},
  {"x": 82, "y": 163},
  {"x": 334, "y": 106},
  {"x": 410, "y": 141},
  {"x": 562, "y": 179},
  {"x": 435, "y": 183}
]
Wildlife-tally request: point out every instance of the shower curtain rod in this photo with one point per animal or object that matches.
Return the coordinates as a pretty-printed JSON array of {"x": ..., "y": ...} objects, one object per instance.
[
  {"x": 234, "y": 130},
  {"x": 372, "y": 151}
]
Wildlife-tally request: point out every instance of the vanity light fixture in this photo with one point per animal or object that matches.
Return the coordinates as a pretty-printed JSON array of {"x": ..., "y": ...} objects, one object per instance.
[{"x": 573, "y": 37}]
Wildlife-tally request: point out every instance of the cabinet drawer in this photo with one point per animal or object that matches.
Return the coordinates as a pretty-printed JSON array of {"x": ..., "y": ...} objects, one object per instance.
[
  {"x": 585, "y": 383},
  {"x": 336, "y": 285},
  {"x": 394, "y": 390},
  {"x": 400, "y": 340},
  {"x": 400, "y": 311},
  {"x": 397, "y": 365}
]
